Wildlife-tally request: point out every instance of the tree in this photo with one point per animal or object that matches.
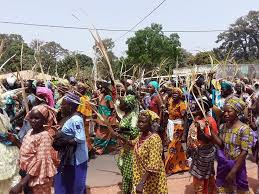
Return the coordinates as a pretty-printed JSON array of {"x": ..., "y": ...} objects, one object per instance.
[
  {"x": 50, "y": 54},
  {"x": 150, "y": 46},
  {"x": 241, "y": 39},
  {"x": 12, "y": 45},
  {"x": 201, "y": 58},
  {"x": 68, "y": 65}
]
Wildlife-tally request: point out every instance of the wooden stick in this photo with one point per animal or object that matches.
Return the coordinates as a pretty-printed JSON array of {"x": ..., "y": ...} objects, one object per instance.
[
  {"x": 2, "y": 48},
  {"x": 21, "y": 57},
  {"x": 23, "y": 92},
  {"x": 77, "y": 67},
  {"x": 6, "y": 62},
  {"x": 102, "y": 49},
  {"x": 56, "y": 70}
]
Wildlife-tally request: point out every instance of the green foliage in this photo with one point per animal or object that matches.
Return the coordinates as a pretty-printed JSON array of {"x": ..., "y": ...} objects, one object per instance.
[
  {"x": 12, "y": 45},
  {"x": 68, "y": 65},
  {"x": 49, "y": 54},
  {"x": 150, "y": 46},
  {"x": 242, "y": 38},
  {"x": 201, "y": 58}
]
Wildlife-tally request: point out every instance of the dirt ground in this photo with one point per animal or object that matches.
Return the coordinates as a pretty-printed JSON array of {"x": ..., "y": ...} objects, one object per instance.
[{"x": 182, "y": 185}]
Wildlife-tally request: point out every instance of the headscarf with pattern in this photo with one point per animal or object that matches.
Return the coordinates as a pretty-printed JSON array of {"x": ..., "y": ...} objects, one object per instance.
[
  {"x": 153, "y": 116},
  {"x": 72, "y": 99},
  {"x": 48, "y": 113},
  {"x": 237, "y": 104},
  {"x": 178, "y": 90}
]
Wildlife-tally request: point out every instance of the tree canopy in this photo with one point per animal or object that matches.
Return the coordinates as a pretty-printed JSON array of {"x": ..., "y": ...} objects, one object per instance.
[
  {"x": 149, "y": 46},
  {"x": 241, "y": 39}
]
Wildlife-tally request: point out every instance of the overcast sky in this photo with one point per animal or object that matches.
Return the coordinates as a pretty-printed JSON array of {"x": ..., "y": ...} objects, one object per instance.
[{"x": 121, "y": 14}]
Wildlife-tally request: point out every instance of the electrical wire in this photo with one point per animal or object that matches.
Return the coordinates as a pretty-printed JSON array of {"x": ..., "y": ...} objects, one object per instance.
[
  {"x": 153, "y": 10},
  {"x": 103, "y": 29}
]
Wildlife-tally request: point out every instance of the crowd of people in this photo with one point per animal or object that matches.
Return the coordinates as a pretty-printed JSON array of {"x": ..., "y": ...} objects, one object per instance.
[{"x": 50, "y": 130}]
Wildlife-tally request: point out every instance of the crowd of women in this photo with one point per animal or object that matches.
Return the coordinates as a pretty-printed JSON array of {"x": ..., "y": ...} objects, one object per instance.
[{"x": 50, "y": 130}]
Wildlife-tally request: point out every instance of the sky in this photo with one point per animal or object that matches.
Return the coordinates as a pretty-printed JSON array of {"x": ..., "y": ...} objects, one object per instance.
[{"x": 177, "y": 15}]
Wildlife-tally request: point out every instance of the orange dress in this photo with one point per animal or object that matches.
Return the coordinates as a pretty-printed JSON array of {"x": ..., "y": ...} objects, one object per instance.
[
  {"x": 176, "y": 160},
  {"x": 39, "y": 159}
]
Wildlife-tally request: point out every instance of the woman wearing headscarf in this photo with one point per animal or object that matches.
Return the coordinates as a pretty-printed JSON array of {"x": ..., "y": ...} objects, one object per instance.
[
  {"x": 71, "y": 176},
  {"x": 152, "y": 101},
  {"x": 103, "y": 143},
  {"x": 227, "y": 92},
  {"x": 46, "y": 94},
  {"x": 235, "y": 141},
  {"x": 37, "y": 156},
  {"x": 148, "y": 167},
  {"x": 128, "y": 129},
  {"x": 176, "y": 160},
  {"x": 86, "y": 110},
  {"x": 201, "y": 149}
]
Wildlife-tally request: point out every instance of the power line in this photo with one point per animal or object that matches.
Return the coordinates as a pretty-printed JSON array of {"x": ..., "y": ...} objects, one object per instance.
[
  {"x": 153, "y": 10},
  {"x": 102, "y": 29}
]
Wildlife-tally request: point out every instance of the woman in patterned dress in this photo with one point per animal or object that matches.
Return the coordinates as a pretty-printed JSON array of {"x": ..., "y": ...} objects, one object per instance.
[
  {"x": 103, "y": 143},
  {"x": 200, "y": 148},
  {"x": 148, "y": 167},
  {"x": 128, "y": 129},
  {"x": 235, "y": 141},
  {"x": 37, "y": 156},
  {"x": 176, "y": 160}
]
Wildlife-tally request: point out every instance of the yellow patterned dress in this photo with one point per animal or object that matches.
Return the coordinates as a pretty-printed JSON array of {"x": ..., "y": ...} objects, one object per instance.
[{"x": 148, "y": 157}]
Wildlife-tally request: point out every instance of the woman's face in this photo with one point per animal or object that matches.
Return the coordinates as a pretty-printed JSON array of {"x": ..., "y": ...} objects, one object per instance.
[
  {"x": 225, "y": 92},
  {"x": 144, "y": 123},
  {"x": 195, "y": 109},
  {"x": 238, "y": 88},
  {"x": 151, "y": 89},
  {"x": 37, "y": 120},
  {"x": 65, "y": 108},
  {"x": 175, "y": 95},
  {"x": 230, "y": 114}
]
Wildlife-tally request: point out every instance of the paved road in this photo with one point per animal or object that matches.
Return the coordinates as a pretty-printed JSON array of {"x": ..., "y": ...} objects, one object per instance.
[{"x": 103, "y": 177}]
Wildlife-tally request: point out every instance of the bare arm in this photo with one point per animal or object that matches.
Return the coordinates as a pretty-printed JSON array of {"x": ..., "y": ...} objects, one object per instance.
[
  {"x": 140, "y": 186},
  {"x": 216, "y": 140},
  {"x": 18, "y": 188}
]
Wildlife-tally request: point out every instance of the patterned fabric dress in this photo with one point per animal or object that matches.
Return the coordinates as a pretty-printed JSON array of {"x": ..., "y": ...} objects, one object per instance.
[
  {"x": 102, "y": 140},
  {"x": 176, "y": 159},
  {"x": 235, "y": 141},
  {"x": 148, "y": 157},
  {"x": 39, "y": 159},
  {"x": 125, "y": 157},
  {"x": 203, "y": 156}
]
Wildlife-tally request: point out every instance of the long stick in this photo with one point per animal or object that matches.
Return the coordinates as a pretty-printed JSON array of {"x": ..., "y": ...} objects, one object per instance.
[
  {"x": 2, "y": 48},
  {"x": 23, "y": 92},
  {"x": 77, "y": 67},
  {"x": 6, "y": 62},
  {"x": 100, "y": 45},
  {"x": 21, "y": 57}
]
